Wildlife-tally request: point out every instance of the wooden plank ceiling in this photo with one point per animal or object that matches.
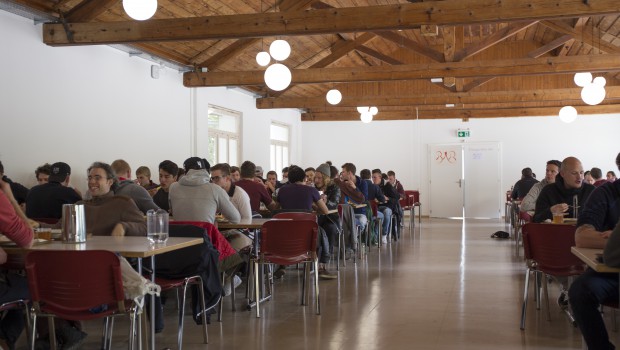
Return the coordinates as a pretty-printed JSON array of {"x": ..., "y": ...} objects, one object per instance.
[{"x": 505, "y": 58}]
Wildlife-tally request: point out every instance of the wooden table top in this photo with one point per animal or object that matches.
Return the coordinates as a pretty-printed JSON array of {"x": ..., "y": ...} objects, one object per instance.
[
  {"x": 127, "y": 246},
  {"x": 243, "y": 224},
  {"x": 588, "y": 256}
]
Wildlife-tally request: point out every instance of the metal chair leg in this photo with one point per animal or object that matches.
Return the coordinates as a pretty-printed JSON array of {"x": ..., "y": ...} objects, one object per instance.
[
  {"x": 316, "y": 287},
  {"x": 525, "y": 294}
]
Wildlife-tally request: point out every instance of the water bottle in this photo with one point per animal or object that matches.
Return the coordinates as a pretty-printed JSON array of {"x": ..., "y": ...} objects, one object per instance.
[{"x": 157, "y": 226}]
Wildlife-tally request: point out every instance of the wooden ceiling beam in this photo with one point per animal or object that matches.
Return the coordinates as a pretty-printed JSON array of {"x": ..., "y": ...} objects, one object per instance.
[
  {"x": 550, "y": 46},
  {"x": 455, "y": 113},
  {"x": 343, "y": 47},
  {"x": 87, "y": 10},
  {"x": 466, "y": 69},
  {"x": 321, "y": 21},
  {"x": 378, "y": 55},
  {"x": 506, "y": 32},
  {"x": 412, "y": 45},
  {"x": 584, "y": 35},
  {"x": 571, "y": 94}
]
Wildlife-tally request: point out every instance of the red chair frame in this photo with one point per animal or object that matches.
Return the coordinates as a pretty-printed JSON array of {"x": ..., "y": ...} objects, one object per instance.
[
  {"x": 288, "y": 242},
  {"x": 548, "y": 246},
  {"x": 68, "y": 284}
]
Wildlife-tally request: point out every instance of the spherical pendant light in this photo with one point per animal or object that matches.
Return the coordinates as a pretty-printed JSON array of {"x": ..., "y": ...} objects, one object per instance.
[
  {"x": 593, "y": 94},
  {"x": 333, "y": 96},
  {"x": 582, "y": 79},
  {"x": 280, "y": 50},
  {"x": 600, "y": 81},
  {"x": 362, "y": 109},
  {"x": 263, "y": 58},
  {"x": 374, "y": 110},
  {"x": 278, "y": 77},
  {"x": 140, "y": 9},
  {"x": 366, "y": 117},
  {"x": 568, "y": 114}
]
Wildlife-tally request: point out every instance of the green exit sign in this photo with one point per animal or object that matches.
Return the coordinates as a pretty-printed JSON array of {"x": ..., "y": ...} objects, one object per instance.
[{"x": 462, "y": 133}]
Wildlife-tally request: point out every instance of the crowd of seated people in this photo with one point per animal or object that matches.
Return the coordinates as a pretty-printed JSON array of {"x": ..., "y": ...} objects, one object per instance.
[{"x": 115, "y": 205}]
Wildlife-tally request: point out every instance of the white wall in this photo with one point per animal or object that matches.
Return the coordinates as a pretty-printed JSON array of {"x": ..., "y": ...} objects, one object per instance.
[
  {"x": 82, "y": 104},
  {"x": 402, "y": 146}
]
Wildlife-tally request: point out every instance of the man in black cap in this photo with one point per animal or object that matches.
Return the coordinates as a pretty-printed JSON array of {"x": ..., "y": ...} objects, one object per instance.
[{"x": 46, "y": 200}]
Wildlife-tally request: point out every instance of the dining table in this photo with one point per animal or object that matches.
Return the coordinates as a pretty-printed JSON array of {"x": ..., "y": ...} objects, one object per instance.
[{"x": 127, "y": 246}]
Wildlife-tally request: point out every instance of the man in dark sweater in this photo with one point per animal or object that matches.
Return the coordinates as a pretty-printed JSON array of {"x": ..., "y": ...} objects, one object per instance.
[
  {"x": 20, "y": 192},
  {"x": 568, "y": 190},
  {"x": 523, "y": 186},
  {"x": 46, "y": 200}
]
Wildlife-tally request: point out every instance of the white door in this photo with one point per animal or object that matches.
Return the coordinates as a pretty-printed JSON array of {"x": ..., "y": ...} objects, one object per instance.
[
  {"x": 446, "y": 180},
  {"x": 482, "y": 180}
]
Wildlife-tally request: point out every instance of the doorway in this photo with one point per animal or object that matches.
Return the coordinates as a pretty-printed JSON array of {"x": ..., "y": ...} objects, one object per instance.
[{"x": 465, "y": 180}]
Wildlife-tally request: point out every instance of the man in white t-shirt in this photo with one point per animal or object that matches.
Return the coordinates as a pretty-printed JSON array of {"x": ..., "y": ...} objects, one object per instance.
[{"x": 220, "y": 175}]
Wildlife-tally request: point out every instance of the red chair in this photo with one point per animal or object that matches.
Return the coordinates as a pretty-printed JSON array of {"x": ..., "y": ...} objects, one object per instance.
[
  {"x": 279, "y": 246},
  {"x": 379, "y": 222},
  {"x": 69, "y": 284},
  {"x": 414, "y": 197},
  {"x": 295, "y": 216},
  {"x": 548, "y": 246},
  {"x": 523, "y": 218}
]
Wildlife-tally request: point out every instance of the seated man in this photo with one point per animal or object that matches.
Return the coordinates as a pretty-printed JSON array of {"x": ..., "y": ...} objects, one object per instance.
[
  {"x": 569, "y": 187},
  {"x": 600, "y": 215},
  {"x": 15, "y": 226},
  {"x": 375, "y": 194},
  {"x": 235, "y": 175},
  {"x": 125, "y": 186},
  {"x": 42, "y": 173},
  {"x": 220, "y": 175},
  {"x": 20, "y": 192},
  {"x": 107, "y": 213},
  {"x": 168, "y": 171},
  {"x": 46, "y": 200},
  {"x": 611, "y": 176},
  {"x": 257, "y": 192},
  {"x": 143, "y": 176},
  {"x": 392, "y": 198},
  {"x": 354, "y": 190},
  {"x": 523, "y": 186},
  {"x": 272, "y": 182},
  {"x": 297, "y": 195},
  {"x": 551, "y": 171},
  {"x": 195, "y": 198},
  {"x": 330, "y": 194},
  {"x": 597, "y": 175}
]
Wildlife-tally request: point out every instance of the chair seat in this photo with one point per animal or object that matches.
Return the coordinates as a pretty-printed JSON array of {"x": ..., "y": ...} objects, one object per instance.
[{"x": 287, "y": 260}]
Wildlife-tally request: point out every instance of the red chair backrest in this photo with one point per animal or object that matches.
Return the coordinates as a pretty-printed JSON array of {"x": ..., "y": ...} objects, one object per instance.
[
  {"x": 415, "y": 194},
  {"x": 70, "y": 283},
  {"x": 288, "y": 242},
  {"x": 524, "y": 216},
  {"x": 549, "y": 246},
  {"x": 295, "y": 216}
]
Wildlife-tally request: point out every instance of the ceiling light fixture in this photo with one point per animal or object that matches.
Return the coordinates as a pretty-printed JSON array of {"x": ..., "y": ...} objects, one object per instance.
[
  {"x": 568, "y": 114},
  {"x": 278, "y": 77},
  {"x": 140, "y": 10},
  {"x": 436, "y": 80},
  {"x": 263, "y": 58},
  {"x": 367, "y": 113},
  {"x": 280, "y": 50},
  {"x": 333, "y": 96}
]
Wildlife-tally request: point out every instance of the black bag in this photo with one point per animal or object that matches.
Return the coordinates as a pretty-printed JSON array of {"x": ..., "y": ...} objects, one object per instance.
[{"x": 501, "y": 235}]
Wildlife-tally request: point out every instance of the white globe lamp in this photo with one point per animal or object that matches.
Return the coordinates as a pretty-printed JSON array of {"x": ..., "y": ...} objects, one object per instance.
[
  {"x": 582, "y": 79},
  {"x": 374, "y": 110},
  {"x": 362, "y": 109},
  {"x": 366, "y": 117},
  {"x": 593, "y": 94},
  {"x": 333, "y": 97},
  {"x": 568, "y": 114},
  {"x": 600, "y": 81},
  {"x": 140, "y": 9},
  {"x": 263, "y": 58},
  {"x": 280, "y": 50},
  {"x": 278, "y": 77}
]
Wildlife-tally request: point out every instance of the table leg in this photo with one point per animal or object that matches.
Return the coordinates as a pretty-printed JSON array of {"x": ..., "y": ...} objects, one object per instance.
[{"x": 153, "y": 304}]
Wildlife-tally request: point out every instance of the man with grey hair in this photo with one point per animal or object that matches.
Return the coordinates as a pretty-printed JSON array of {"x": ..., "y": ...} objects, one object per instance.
[{"x": 551, "y": 171}]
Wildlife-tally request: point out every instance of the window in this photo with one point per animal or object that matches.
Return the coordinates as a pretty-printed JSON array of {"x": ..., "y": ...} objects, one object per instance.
[
  {"x": 279, "y": 148},
  {"x": 224, "y": 136}
]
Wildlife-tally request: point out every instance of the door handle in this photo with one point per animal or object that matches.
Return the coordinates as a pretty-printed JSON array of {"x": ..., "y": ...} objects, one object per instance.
[{"x": 460, "y": 182}]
